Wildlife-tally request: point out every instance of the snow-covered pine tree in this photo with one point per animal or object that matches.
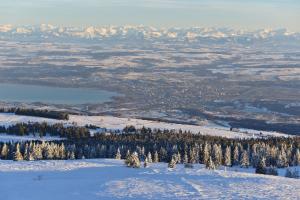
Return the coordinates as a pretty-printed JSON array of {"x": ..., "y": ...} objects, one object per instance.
[
  {"x": 118, "y": 154},
  {"x": 186, "y": 161},
  {"x": 217, "y": 155},
  {"x": 37, "y": 152},
  {"x": 289, "y": 156},
  {"x": 186, "y": 158},
  {"x": 272, "y": 154},
  {"x": 192, "y": 156},
  {"x": 27, "y": 154},
  {"x": 4, "y": 152},
  {"x": 236, "y": 155},
  {"x": 261, "y": 167},
  {"x": 227, "y": 156},
  {"x": 62, "y": 151},
  {"x": 127, "y": 154},
  {"x": 296, "y": 158},
  {"x": 72, "y": 155},
  {"x": 197, "y": 153},
  {"x": 172, "y": 163},
  {"x": 178, "y": 157},
  {"x": 133, "y": 161},
  {"x": 206, "y": 153},
  {"x": 254, "y": 156},
  {"x": 142, "y": 154},
  {"x": 30, "y": 151},
  {"x": 149, "y": 157},
  {"x": 282, "y": 160},
  {"x": 17, "y": 154},
  {"x": 56, "y": 152},
  {"x": 244, "y": 159},
  {"x": 210, "y": 164},
  {"x": 146, "y": 163},
  {"x": 156, "y": 158},
  {"x": 49, "y": 153}
]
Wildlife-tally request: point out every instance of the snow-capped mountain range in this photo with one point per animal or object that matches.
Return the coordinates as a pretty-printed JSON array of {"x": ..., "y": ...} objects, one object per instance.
[{"x": 45, "y": 31}]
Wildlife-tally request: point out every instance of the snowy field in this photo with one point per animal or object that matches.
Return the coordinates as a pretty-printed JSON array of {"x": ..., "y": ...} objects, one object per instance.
[
  {"x": 115, "y": 123},
  {"x": 110, "y": 179}
]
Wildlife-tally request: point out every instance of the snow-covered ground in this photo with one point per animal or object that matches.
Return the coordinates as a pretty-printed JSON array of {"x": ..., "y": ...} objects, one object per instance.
[
  {"x": 114, "y": 123},
  {"x": 7, "y": 119},
  {"x": 110, "y": 179}
]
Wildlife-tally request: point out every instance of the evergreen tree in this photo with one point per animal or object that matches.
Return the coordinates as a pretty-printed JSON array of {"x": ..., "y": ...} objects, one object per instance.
[
  {"x": 236, "y": 156},
  {"x": 17, "y": 155},
  {"x": 127, "y": 154},
  {"x": 244, "y": 159},
  {"x": 172, "y": 163},
  {"x": 282, "y": 160},
  {"x": 62, "y": 151},
  {"x": 146, "y": 163},
  {"x": 178, "y": 157},
  {"x": 217, "y": 155},
  {"x": 37, "y": 152},
  {"x": 227, "y": 157},
  {"x": 206, "y": 153},
  {"x": 149, "y": 157},
  {"x": 118, "y": 155},
  {"x": 27, "y": 154},
  {"x": 156, "y": 159},
  {"x": 72, "y": 155},
  {"x": 192, "y": 156},
  {"x": 296, "y": 159},
  {"x": 133, "y": 161},
  {"x": 49, "y": 154},
  {"x": 261, "y": 167},
  {"x": 210, "y": 164},
  {"x": 254, "y": 156},
  {"x": 186, "y": 159},
  {"x": 4, "y": 152},
  {"x": 163, "y": 154}
]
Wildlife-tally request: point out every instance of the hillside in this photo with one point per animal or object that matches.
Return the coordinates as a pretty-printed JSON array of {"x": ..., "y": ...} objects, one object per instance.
[
  {"x": 110, "y": 179},
  {"x": 117, "y": 123}
]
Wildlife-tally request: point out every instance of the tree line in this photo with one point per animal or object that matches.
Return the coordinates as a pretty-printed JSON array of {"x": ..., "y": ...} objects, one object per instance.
[
  {"x": 43, "y": 129},
  {"x": 173, "y": 147},
  {"x": 59, "y": 115}
]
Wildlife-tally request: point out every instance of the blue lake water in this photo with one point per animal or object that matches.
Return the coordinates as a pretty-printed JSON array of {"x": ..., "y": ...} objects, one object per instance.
[{"x": 52, "y": 95}]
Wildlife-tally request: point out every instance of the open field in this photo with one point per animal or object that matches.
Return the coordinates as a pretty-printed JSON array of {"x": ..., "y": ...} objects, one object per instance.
[{"x": 110, "y": 179}]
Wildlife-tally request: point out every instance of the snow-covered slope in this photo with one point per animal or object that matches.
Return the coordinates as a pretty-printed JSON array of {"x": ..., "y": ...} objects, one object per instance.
[
  {"x": 117, "y": 123},
  {"x": 111, "y": 122},
  {"x": 110, "y": 179},
  {"x": 192, "y": 34}
]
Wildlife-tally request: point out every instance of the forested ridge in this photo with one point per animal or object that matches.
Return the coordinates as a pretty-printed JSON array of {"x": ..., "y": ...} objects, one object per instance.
[
  {"x": 59, "y": 115},
  {"x": 43, "y": 129},
  {"x": 161, "y": 146},
  {"x": 147, "y": 145}
]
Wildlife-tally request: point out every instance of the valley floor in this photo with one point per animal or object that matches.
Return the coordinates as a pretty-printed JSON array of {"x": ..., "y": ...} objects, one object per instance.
[{"x": 110, "y": 179}]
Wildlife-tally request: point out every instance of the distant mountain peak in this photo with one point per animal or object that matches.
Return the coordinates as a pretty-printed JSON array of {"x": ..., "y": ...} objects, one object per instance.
[{"x": 141, "y": 32}]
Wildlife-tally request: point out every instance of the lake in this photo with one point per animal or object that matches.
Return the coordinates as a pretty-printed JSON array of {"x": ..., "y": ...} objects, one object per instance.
[{"x": 52, "y": 95}]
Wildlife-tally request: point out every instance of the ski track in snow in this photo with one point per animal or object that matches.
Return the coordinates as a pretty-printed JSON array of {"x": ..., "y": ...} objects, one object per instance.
[{"x": 110, "y": 179}]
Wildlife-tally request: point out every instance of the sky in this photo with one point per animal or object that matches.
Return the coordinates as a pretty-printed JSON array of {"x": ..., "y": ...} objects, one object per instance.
[{"x": 238, "y": 14}]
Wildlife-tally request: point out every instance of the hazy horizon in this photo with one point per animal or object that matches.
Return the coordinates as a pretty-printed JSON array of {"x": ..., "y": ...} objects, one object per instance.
[{"x": 166, "y": 13}]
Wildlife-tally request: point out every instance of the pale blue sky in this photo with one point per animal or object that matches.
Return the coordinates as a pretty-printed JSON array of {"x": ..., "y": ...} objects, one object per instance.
[{"x": 250, "y": 14}]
